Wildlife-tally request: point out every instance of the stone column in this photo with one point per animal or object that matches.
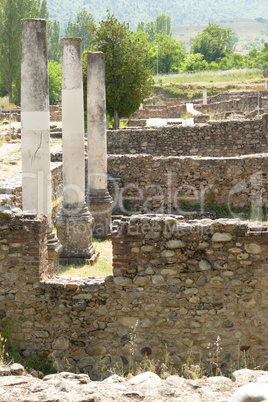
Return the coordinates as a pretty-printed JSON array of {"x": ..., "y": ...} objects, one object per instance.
[
  {"x": 98, "y": 199},
  {"x": 74, "y": 222},
  {"x": 35, "y": 130},
  {"x": 205, "y": 97}
]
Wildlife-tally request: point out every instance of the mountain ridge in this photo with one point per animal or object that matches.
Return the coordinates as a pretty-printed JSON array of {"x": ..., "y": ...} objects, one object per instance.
[{"x": 192, "y": 12}]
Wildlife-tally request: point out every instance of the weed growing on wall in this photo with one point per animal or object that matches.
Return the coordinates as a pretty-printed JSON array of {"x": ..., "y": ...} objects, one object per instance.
[
  {"x": 3, "y": 353},
  {"x": 193, "y": 368},
  {"x": 11, "y": 351}
]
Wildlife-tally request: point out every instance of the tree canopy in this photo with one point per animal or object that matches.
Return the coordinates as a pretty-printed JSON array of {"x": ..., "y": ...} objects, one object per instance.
[
  {"x": 213, "y": 42},
  {"x": 162, "y": 25},
  {"x": 128, "y": 78},
  {"x": 81, "y": 28},
  {"x": 11, "y": 12}
]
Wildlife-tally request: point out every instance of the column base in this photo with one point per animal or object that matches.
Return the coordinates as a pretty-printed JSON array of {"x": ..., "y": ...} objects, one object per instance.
[
  {"x": 54, "y": 249},
  {"x": 100, "y": 206},
  {"x": 74, "y": 229}
]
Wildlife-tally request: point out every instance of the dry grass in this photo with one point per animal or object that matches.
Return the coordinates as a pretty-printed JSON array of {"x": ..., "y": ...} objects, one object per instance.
[{"x": 103, "y": 266}]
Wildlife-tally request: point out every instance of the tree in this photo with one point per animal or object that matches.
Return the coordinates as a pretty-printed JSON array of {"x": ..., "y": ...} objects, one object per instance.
[
  {"x": 44, "y": 13},
  {"x": 258, "y": 59},
  {"x": 128, "y": 78},
  {"x": 54, "y": 79},
  {"x": 53, "y": 41},
  {"x": 81, "y": 28},
  {"x": 53, "y": 33},
  {"x": 171, "y": 53},
  {"x": 213, "y": 42},
  {"x": 195, "y": 62},
  {"x": 11, "y": 12},
  {"x": 162, "y": 25}
]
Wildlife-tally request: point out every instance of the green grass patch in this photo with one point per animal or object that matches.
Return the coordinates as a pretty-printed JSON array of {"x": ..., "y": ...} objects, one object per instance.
[
  {"x": 189, "y": 86},
  {"x": 225, "y": 76},
  {"x": 103, "y": 266}
]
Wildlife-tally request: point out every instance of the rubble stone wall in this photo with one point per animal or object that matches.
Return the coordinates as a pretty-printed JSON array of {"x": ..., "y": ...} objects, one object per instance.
[
  {"x": 217, "y": 138},
  {"x": 216, "y": 105},
  {"x": 12, "y": 189},
  {"x": 176, "y": 288},
  {"x": 163, "y": 184},
  {"x": 232, "y": 106}
]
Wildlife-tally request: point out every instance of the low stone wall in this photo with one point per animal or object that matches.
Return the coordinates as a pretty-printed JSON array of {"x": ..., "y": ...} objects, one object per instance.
[
  {"x": 217, "y": 138},
  {"x": 225, "y": 96},
  {"x": 5, "y": 113},
  {"x": 55, "y": 113},
  {"x": 176, "y": 288},
  {"x": 221, "y": 104},
  {"x": 223, "y": 108},
  {"x": 162, "y": 184}
]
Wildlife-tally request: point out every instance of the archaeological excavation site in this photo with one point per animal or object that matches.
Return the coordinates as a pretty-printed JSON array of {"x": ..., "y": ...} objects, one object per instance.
[{"x": 186, "y": 283}]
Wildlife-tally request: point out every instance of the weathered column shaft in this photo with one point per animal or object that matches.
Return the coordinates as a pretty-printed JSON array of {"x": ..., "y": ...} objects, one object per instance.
[
  {"x": 96, "y": 122},
  {"x": 98, "y": 198},
  {"x": 74, "y": 222},
  {"x": 35, "y": 130},
  {"x": 73, "y": 122},
  {"x": 35, "y": 149}
]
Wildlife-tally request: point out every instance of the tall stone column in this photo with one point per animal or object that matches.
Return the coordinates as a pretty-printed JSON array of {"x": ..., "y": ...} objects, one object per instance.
[
  {"x": 35, "y": 130},
  {"x": 98, "y": 199},
  {"x": 74, "y": 222}
]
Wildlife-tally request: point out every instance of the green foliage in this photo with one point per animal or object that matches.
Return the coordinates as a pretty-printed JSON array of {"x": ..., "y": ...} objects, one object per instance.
[
  {"x": 258, "y": 59},
  {"x": 37, "y": 360},
  {"x": 53, "y": 33},
  {"x": 53, "y": 41},
  {"x": 11, "y": 12},
  {"x": 54, "y": 76},
  {"x": 171, "y": 54},
  {"x": 213, "y": 43},
  {"x": 44, "y": 13},
  {"x": 3, "y": 90},
  {"x": 128, "y": 77},
  {"x": 162, "y": 25},
  {"x": 195, "y": 62},
  {"x": 81, "y": 28}
]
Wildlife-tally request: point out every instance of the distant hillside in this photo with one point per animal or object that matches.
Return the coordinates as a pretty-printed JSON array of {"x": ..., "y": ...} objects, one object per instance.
[
  {"x": 250, "y": 33},
  {"x": 191, "y": 12}
]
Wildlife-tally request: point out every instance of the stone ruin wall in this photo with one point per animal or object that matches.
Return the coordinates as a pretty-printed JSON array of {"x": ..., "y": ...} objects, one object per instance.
[
  {"x": 225, "y": 96},
  {"x": 176, "y": 287},
  {"x": 226, "y": 177},
  {"x": 11, "y": 190},
  {"x": 55, "y": 113},
  {"x": 217, "y": 138},
  {"x": 158, "y": 184},
  {"x": 221, "y": 107}
]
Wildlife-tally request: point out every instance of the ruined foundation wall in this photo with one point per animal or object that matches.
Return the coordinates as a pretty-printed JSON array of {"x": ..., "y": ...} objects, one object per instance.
[
  {"x": 13, "y": 187},
  {"x": 159, "y": 184},
  {"x": 216, "y": 105},
  {"x": 217, "y": 138},
  {"x": 176, "y": 287}
]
